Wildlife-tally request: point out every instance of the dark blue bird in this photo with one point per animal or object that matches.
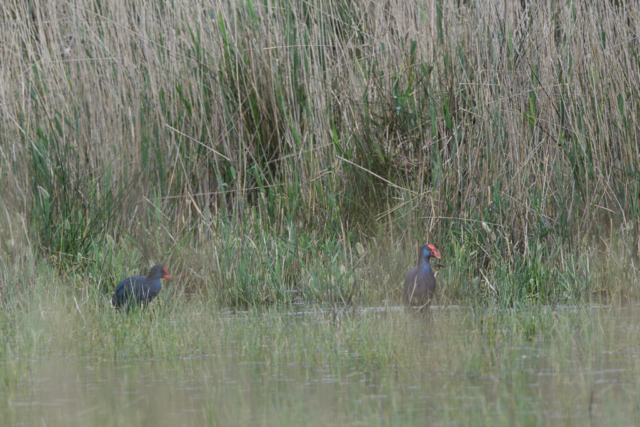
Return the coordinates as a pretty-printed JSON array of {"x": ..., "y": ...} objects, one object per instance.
[
  {"x": 137, "y": 290},
  {"x": 420, "y": 282}
]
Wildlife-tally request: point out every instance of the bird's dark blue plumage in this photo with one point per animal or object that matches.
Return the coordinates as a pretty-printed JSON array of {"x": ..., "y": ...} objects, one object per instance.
[
  {"x": 137, "y": 290},
  {"x": 420, "y": 282}
]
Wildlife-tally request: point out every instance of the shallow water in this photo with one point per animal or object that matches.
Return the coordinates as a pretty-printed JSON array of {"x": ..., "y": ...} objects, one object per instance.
[{"x": 588, "y": 376}]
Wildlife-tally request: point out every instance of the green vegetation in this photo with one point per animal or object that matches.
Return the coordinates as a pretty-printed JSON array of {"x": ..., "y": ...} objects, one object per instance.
[
  {"x": 284, "y": 154},
  {"x": 252, "y": 146},
  {"x": 68, "y": 361}
]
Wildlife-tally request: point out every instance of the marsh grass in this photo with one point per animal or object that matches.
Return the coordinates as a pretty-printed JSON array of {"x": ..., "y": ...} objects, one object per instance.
[
  {"x": 285, "y": 160},
  {"x": 264, "y": 141}
]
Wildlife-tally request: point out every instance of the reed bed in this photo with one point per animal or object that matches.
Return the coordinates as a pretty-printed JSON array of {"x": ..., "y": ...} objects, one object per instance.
[
  {"x": 269, "y": 151},
  {"x": 285, "y": 160}
]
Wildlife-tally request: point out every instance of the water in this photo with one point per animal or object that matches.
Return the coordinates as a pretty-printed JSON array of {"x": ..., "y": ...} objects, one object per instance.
[{"x": 466, "y": 376}]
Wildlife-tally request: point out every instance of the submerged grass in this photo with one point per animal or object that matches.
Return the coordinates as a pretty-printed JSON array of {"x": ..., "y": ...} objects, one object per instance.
[{"x": 187, "y": 360}]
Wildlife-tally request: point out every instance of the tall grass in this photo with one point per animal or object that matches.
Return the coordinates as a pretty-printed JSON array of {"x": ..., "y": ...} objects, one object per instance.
[{"x": 253, "y": 145}]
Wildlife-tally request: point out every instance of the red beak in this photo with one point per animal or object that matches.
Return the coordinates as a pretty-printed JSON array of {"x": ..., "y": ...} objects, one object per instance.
[
  {"x": 166, "y": 276},
  {"x": 434, "y": 252}
]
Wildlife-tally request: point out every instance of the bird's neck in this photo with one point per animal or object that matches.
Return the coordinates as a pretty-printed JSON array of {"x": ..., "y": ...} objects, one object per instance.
[{"x": 424, "y": 263}]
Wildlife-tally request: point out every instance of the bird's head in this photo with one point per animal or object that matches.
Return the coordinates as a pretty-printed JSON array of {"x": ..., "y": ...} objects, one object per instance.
[
  {"x": 159, "y": 271},
  {"x": 428, "y": 251}
]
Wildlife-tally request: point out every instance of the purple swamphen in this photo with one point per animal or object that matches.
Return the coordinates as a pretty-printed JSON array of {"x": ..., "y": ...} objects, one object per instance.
[
  {"x": 420, "y": 282},
  {"x": 137, "y": 290}
]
